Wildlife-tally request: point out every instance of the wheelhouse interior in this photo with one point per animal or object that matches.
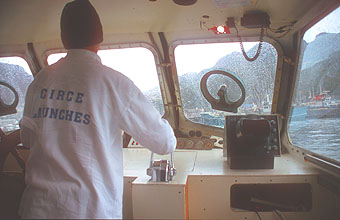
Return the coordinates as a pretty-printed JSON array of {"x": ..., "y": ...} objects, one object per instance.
[{"x": 250, "y": 87}]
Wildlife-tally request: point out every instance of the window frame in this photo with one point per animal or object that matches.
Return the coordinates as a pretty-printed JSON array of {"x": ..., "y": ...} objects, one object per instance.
[
  {"x": 292, "y": 147},
  {"x": 21, "y": 55},
  {"x": 208, "y": 130},
  {"x": 160, "y": 74},
  {"x": 28, "y": 62}
]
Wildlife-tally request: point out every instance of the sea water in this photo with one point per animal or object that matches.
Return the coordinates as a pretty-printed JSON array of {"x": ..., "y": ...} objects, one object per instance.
[{"x": 321, "y": 136}]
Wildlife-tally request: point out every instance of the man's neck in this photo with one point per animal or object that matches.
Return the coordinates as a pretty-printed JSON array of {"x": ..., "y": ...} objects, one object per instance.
[{"x": 93, "y": 48}]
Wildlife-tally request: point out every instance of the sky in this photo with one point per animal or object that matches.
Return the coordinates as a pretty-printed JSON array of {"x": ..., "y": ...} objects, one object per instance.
[
  {"x": 192, "y": 58},
  {"x": 136, "y": 63},
  {"x": 330, "y": 24},
  {"x": 17, "y": 61}
]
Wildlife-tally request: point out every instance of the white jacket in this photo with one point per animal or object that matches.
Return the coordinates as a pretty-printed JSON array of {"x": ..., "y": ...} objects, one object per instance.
[{"x": 74, "y": 115}]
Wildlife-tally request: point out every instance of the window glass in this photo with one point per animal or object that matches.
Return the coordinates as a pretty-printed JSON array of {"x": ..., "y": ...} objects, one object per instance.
[
  {"x": 193, "y": 61},
  {"x": 15, "y": 72},
  {"x": 315, "y": 113},
  {"x": 136, "y": 63}
]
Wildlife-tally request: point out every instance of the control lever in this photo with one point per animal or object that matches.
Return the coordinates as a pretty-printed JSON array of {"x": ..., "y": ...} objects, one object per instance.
[
  {"x": 223, "y": 103},
  {"x": 161, "y": 170}
]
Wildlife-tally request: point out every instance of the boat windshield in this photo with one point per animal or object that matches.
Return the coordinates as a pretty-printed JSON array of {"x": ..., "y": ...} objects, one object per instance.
[
  {"x": 315, "y": 113},
  {"x": 195, "y": 60},
  {"x": 15, "y": 72},
  {"x": 137, "y": 63}
]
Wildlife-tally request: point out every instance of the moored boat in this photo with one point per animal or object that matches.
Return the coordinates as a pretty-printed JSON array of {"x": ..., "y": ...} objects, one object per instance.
[
  {"x": 327, "y": 111},
  {"x": 322, "y": 106}
]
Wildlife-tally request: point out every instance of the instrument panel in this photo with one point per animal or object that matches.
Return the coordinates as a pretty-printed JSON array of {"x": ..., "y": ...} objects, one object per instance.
[{"x": 195, "y": 143}]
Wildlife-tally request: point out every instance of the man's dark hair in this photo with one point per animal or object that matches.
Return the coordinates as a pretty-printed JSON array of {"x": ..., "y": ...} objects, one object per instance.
[{"x": 80, "y": 25}]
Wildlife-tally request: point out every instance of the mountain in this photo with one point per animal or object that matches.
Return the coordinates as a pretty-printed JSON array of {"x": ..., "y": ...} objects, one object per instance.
[
  {"x": 18, "y": 78},
  {"x": 323, "y": 75},
  {"x": 320, "y": 69},
  {"x": 258, "y": 78},
  {"x": 320, "y": 48}
]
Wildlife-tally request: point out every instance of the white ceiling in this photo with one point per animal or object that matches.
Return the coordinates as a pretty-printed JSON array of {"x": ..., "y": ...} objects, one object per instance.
[{"x": 23, "y": 21}]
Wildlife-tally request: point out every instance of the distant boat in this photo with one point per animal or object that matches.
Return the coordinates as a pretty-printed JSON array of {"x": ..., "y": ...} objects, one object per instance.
[
  {"x": 327, "y": 111},
  {"x": 214, "y": 120},
  {"x": 322, "y": 106}
]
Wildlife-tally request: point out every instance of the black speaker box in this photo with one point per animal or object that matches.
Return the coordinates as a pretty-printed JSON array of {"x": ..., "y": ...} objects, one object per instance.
[{"x": 251, "y": 141}]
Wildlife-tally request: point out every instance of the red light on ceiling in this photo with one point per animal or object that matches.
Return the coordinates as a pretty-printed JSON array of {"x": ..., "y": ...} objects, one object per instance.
[{"x": 220, "y": 30}]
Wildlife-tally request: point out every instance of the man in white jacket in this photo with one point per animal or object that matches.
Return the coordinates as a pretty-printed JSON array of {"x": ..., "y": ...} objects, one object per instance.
[{"x": 75, "y": 112}]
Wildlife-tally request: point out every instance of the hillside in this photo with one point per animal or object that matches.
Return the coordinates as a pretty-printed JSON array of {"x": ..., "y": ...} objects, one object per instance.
[
  {"x": 251, "y": 73},
  {"x": 320, "y": 69},
  {"x": 323, "y": 75},
  {"x": 320, "y": 49},
  {"x": 17, "y": 77}
]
